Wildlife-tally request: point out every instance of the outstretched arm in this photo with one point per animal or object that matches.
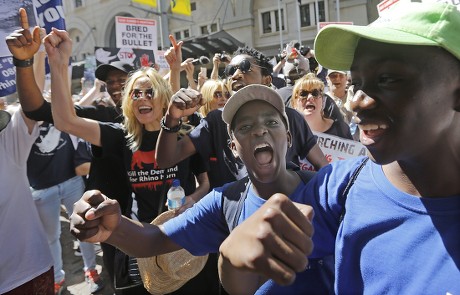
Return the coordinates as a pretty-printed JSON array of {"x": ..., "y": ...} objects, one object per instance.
[
  {"x": 59, "y": 48},
  {"x": 96, "y": 218},
  {"x": 273, "y": 243}
]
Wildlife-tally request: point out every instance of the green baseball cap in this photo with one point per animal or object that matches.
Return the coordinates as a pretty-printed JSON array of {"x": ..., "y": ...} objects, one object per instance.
[{"x": 414, "y": 23}]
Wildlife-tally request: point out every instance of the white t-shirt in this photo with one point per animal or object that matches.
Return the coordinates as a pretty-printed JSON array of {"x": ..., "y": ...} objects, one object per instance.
[{"x": 23, "y": 246}]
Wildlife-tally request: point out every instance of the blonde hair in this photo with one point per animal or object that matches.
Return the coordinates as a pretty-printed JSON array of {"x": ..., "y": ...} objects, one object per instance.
[
  {"x": 308, "y": 81},
  {"x": 162, "y": 91},
  {"x": 207, "y": 91}
]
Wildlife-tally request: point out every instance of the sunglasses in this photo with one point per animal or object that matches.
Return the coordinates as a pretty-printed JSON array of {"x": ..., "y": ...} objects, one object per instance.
[
  {"x": 139, "y": 93},
  {"x": 219, "y": 94},
  {"x": 244, "y": 67},
  {"x": 305, "y": 93}
]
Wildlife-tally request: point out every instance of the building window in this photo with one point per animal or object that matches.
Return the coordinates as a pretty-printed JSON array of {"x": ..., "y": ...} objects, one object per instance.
[
  {"x": 192, "y": 6},
  {"x": 277, "y": 19},
  {"x": 182, "y": 34},
  {"x": 266, "y": 23},
  {"x": 78, "y": 3},
  {"x": 269, "y": 18},
  {"x": 308, "y": 14},
  {"x": 204, "y": 30}
]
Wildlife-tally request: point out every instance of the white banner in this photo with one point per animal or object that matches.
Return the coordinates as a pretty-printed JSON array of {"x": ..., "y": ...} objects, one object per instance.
[
  {"x": 334, "y": 149},
  {"x": 163, "y": 66}
]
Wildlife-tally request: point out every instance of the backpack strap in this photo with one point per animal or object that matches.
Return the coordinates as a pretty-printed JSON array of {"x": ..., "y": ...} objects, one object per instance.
[
  {"x": 233, "y": 197},
  {"x": 343, "y": 198}
]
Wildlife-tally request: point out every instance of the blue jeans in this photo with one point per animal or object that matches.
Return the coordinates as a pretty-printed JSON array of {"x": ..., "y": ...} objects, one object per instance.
[{"x": 48, "y": 202}]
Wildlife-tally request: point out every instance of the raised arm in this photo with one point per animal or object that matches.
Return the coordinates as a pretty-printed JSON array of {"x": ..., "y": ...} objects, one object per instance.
[
  {"x": 23, "y": 45},
  {"x": 59, "y": 48},
  {"x": 189, "y": 71},
  {"x": 169, "y": 150},
  {"x": 174, "y": 58},
  {"x": 215, "y": 66},
  {"x": 216, "y": 60},
  {"x": 92, "y": 94}
]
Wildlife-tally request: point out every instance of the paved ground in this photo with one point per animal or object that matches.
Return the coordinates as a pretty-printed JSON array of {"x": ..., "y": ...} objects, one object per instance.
[{"x": 73, "y": 266}]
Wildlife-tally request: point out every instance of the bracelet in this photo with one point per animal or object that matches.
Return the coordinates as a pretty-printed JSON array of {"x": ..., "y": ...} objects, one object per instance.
[
  {"x": 167, "y": 129},
  {"x": 23, "y": 63}
]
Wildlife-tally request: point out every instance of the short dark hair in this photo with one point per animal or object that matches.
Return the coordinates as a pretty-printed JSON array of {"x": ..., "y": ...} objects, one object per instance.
[{"x": 260, "y": 59}]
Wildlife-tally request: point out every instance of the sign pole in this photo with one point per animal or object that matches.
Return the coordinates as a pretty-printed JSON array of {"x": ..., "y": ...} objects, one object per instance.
[
  {"x": 298, "y": 21},
  {"x": 280, "y": 25},
  {"x": 164, "y": 26}
]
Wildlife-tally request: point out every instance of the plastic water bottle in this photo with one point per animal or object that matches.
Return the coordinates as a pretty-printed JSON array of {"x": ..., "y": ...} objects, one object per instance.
[{"x": 176, "y": 195}]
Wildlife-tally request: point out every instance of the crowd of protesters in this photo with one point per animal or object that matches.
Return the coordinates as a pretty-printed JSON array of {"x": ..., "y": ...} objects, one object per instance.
[{"x": 387, "y": 225}]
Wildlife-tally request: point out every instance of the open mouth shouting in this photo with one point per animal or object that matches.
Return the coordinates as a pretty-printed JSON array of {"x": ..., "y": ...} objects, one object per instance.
[
  {"x": 144, "y": 109},
  {"x": 263, "y": 153},
  {"x": 310, "y": 107}
]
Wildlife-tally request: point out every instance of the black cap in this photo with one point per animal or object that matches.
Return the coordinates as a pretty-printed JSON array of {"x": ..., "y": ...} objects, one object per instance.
[
  {"x": 103, "y": 70},
  {"x": 4, "y": 119}
]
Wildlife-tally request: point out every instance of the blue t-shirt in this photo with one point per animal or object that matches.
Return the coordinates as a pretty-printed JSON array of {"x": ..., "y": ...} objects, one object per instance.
[
  {"x": 202, "y": 228},
  {"x": 388, "y": 243}
]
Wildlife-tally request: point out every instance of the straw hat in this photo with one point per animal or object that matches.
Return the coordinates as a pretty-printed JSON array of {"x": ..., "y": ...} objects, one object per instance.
[{"x": 168, "y": 272}]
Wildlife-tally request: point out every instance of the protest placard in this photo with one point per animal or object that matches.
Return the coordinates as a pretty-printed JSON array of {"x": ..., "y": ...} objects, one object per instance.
[
  {"x": 135, "y": 57},
  {"x": 335, "y": 148},
  {"x": 136, "y": 33}
]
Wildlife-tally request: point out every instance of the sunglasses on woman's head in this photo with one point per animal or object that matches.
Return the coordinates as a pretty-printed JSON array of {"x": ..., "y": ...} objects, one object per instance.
[
  {"x": 315, "y": 93},
  {"x": 139, "y": 93},
  {"x": 244, "y": 66},
  {"x": 219, "y": 94}
]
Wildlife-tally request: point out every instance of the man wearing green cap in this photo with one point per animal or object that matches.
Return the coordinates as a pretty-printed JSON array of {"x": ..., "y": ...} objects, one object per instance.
[{"x": 401, "y": 219}]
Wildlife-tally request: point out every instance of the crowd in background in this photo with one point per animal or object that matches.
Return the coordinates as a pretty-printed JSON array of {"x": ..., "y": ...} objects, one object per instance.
[{"x": 135, "y": 131}]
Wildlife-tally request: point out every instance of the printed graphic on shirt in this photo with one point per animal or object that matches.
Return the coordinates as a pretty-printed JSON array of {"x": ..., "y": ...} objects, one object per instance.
[
  {"x": 145, "y": 173},
  {"x": 49, "y": 140}
]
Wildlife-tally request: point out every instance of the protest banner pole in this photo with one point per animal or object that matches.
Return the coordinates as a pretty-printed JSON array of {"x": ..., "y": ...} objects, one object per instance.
[{"x": 164, "y": 26}]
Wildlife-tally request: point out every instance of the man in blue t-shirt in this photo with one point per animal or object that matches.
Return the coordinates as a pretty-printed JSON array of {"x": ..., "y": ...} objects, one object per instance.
[
  {"x": 400, "y": 230},
  {"x": 259, "y": 129}
]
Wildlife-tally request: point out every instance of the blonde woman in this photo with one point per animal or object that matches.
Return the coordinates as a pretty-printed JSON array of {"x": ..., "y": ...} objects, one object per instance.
[
  {"x": 215, "y": 94},
  {"x": 309, "y": 100},
  {"x": 145, "y": 100}
]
